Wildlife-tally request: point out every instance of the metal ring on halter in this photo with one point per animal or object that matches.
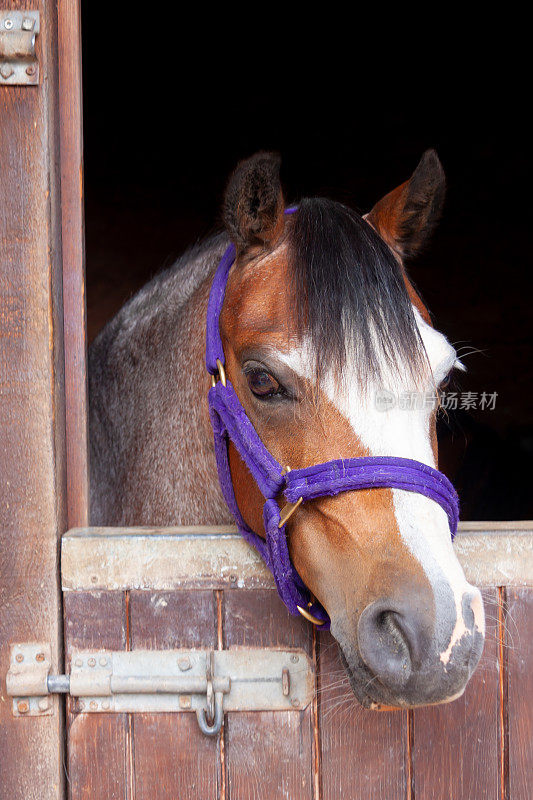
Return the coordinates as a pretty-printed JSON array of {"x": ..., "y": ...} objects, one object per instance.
[
  {"x": 286, "y": 512},
  {"x": 289, "y": 508},
  {"x": 221, "y": 375},
  {"x": 307, "y": 614}
]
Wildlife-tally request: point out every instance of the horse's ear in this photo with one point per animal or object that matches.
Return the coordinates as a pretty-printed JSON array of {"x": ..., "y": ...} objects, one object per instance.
[
  {"x": 406, "y": 216},
  {"x": 253, "y": 203}
]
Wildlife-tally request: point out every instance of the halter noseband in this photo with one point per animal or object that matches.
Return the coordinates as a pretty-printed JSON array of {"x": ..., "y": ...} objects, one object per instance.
[{"x": 230, "y": 422}]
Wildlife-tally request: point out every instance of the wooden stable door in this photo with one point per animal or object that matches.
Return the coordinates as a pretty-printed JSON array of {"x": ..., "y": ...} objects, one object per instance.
[
  {"x": 134, "y": 589},
  {"x": 43, "y": 476}
]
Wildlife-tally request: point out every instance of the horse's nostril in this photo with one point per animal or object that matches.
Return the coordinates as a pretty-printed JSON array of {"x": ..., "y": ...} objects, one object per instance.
[{"x": 388, "y": 644}]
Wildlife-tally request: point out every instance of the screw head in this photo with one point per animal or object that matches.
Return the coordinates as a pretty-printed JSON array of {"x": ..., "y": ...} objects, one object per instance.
[
  {"x": 94, "y": 578},
  {"x": 43, "y": 704},
  {"x": 30, "y": 70},
  {"x": 295, "y": 702},
  {"x": 23, "y": 706},
  {"x": 295, "y": 658},
  {"x": 19, "y": 657},
  {"x": 184, "y": 663},
  {"x": 78, "y": 662},
  {"x": 185, "y": 701},
  {"x": 39, "y": 657},
  {"x": 27, "y": 24},
  {"x": 103, "y": 661},
  {"x": 93, "y": 705},
  {"x": 92, "y": 662},
  {"x": 8, "y": 24},
  {"x": 105, "y": 704},
  {"x": 6, "y": 71}
]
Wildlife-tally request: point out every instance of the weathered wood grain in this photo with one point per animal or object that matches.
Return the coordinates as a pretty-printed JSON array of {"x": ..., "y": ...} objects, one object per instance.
[
  {"x": 172, "y": 758},
  {"x": 199, "y": 556},
  {"x": 364, "y": 753},
  {"x": 269, "y": 755},
  {"x": 456, "y": 746},
  {"x": 496, "y": 553},
  {"x": 32, "y": 429},
  {"x": 72, "y": 238},
  {"x": 97, "y": 762},
  {"x": 519, "y": 652},
  {"x": 98, "y": 745}
]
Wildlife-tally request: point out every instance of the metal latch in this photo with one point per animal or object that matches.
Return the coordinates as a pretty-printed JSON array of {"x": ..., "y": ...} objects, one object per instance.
[
  {"x": 18, "y": 60},
  {"x": 208, "y": 682}
]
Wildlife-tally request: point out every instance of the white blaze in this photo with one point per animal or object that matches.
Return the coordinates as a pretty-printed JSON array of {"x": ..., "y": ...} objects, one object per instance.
[{"x": 404, "y": 431}]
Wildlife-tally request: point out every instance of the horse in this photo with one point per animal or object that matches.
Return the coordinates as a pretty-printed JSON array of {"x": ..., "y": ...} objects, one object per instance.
[{"x": 323, "y": 332}]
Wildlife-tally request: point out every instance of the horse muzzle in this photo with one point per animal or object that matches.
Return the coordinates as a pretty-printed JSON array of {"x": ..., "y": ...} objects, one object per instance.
[{"x": 405, "y": 658}]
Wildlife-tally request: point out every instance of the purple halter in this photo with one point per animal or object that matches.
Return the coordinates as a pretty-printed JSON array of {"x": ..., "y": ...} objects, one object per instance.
[{"x": 230, "y": 422}]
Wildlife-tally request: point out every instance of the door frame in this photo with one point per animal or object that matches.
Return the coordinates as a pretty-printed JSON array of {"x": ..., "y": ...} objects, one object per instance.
[{"x": 43, "y": 435}]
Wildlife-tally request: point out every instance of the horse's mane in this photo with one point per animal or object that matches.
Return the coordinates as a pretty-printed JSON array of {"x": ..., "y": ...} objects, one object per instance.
[
  {"x": 349, "y": 292},
  {"x": 347, "y": 289}
]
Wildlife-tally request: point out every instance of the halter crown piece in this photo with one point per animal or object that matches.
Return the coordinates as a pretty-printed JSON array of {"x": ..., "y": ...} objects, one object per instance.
[{"x": 230, "y": 422}]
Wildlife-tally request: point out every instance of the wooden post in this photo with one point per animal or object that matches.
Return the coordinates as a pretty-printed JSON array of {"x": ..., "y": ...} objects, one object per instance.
[
  {"x": 72, "y": 233},
  {"x": 33, "y": 442}
]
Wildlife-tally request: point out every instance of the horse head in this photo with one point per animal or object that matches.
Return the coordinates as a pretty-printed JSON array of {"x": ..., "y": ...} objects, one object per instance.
[{"x": 332, "y": 355}]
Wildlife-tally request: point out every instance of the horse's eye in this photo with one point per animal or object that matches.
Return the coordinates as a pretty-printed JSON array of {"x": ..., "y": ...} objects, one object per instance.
[{"x": 262, "y": 384}]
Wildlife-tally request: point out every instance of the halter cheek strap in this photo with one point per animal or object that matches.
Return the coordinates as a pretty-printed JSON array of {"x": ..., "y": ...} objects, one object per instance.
[{"x": 231, "y": 423}]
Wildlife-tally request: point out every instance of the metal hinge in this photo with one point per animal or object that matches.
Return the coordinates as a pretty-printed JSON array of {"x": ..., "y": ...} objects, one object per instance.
[
  {"x": 208, "y": 682},
  {"x": 18, "y": 60}
]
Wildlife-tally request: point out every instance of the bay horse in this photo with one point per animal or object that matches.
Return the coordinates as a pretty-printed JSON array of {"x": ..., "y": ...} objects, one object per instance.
[{"x": 318, "y": 322}]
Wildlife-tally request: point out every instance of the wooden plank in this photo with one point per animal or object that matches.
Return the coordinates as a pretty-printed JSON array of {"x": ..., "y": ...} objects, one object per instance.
[
  {"x": 519, "y": 652},
  {"x": 172, "y": 757},
  {"x": 456, "y": 746},
  {"x": 268, "y": 755},
  {"x": 495, "y": 526},
  {"x": 98, "y": 745},
  {"x": 161, "y": 560},
  {"x": 97, "y": 763},
  {"x": 72, "y": 236},
  {"x": 198, "y": 556},
  {"x": 363, "y": 753},
  {"x": 32, "y": 434},
  {"x": 499, "y": 556}
]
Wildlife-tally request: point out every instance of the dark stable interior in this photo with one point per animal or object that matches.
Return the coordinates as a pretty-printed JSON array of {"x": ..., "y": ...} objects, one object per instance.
[{"x": 160, "y": 143}]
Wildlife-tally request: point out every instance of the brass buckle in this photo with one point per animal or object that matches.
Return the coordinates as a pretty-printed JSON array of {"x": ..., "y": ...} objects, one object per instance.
[{"x": 221, "y": 374}]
